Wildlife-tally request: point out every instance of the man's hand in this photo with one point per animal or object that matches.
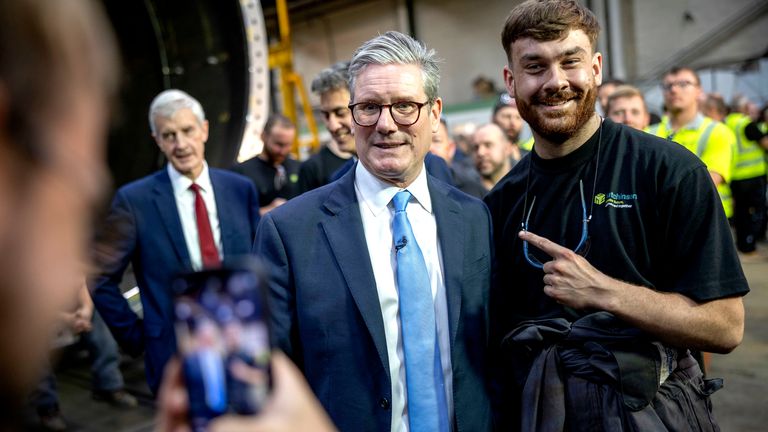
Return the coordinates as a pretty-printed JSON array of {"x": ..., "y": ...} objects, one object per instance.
[
  {"x": 715, "y": 325},
  {"x": 292, "y": 405},
  {"x": 569, "y": 278}
]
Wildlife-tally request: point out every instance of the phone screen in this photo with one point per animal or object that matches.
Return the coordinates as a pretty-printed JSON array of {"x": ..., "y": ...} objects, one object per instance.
[{"x": 223, "y": 339}]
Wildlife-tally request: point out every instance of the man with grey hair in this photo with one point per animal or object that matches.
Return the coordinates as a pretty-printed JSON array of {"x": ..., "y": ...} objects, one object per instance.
[
  {"x": 382, "y": 308},
  {"x": 184, "y": 217},
  {"x": 332, "y": 88}
]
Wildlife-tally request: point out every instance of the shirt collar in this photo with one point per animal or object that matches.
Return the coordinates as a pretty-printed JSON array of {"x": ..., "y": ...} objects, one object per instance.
[
  {"x": 377, "y": 194},
  {"x": 181, "y": 183},
  {"x": 694, "y": 124}
]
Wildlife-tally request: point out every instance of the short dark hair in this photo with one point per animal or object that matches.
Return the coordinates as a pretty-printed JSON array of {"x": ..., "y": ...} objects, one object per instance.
[
  {"x": 613, "y": 81},
  {"x": 333, "y": 78},
  {"x": 277, "y": 119},
  {"x": 548, "y": 20},
  {"x": 717, "y": 103},
  {"x": 625, "y": 91},
  {"x": 677, "y": 69}
]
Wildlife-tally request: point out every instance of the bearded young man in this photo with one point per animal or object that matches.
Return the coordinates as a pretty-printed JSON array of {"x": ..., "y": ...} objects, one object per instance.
[{"x": 631, "y": 264}]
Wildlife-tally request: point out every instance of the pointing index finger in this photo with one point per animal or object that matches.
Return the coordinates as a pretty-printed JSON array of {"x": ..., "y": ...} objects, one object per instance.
[{"x": 549, "y": 247}]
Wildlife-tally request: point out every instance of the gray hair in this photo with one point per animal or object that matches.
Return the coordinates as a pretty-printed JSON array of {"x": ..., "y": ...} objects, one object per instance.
[
  {"x": 332, "y": 78},
  {"x": 396, "y": 48},
  {"x": 167, "y": 103}
]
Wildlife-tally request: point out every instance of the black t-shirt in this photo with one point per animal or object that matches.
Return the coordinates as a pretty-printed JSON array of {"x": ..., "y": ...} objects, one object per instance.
[
  {"x": 318, "y": 169},
  {"x": 656, "y": 221},
  {"x": 263, "y": 174}
]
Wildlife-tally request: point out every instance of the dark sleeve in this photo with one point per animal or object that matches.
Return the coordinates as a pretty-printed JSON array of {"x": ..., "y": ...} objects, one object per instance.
[
  {"x": 309, "y": 176},
  {"x": 502, "y": 387},
  {"x": 114, "y": 247},
  {"x": 282, "y": 297},
  {"x": 253, "y": 209},
  {"x": 699, "y": 259},
  {"x": 753, "y": 132}
]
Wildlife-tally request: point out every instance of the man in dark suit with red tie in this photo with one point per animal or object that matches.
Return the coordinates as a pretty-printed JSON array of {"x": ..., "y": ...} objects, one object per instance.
[{"x": 184, "y": 217}]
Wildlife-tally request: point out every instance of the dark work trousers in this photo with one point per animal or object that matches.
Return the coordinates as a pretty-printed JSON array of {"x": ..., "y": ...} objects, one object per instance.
[{"x": 748, "y": 211}]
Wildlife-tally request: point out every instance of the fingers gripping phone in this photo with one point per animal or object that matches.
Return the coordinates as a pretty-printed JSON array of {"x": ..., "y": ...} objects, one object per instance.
[{"x": 221, "y": 322}]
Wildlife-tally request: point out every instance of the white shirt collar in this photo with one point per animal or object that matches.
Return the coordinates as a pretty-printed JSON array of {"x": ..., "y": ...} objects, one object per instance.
[
  {"x": 181, "y": 183},
  {"x": 376, "y": 194}
]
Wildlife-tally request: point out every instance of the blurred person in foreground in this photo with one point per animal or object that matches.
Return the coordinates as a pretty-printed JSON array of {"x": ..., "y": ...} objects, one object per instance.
[
  {"x": 57, "y": 71},
  {"x": 613, "y": 255}
]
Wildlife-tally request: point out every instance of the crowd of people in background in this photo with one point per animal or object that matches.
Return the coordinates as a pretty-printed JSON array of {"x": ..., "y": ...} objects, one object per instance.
[{"x": 485, "y": 223}]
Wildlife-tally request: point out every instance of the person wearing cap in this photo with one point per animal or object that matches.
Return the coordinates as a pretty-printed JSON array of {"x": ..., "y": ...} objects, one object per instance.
[{"x": 506, "y": 115}]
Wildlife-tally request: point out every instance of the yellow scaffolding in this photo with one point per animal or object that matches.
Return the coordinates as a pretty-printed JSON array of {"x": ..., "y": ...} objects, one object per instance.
[{"x": 281, "y": 58}]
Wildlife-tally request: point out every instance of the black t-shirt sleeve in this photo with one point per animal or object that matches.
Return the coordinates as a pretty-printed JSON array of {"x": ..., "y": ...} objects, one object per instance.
[
  {"x": 308, "y": 176},
  {"x": 753, "y": 132},
  {"x": 698, "y": 258}
]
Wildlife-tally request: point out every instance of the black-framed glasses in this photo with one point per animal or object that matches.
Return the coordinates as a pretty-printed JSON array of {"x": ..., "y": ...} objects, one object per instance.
[
  {"x": 580, "y": 248},
  {"x": 583, "y": 245},
  {"x": 404, "y": 113},
  {"x": 683, "y": 84}
]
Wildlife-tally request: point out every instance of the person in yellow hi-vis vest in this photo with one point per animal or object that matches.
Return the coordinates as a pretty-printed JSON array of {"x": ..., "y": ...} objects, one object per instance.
[
  {"x": 713, "y": 142},
  {"x": 748, "y": 179}
]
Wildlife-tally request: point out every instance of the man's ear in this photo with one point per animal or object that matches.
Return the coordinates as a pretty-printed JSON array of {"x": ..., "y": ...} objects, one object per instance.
[
  {"x": 509, "y": 80},
  {"x": 205, "y": 131},
  {"x": 597, "y": 68},
  {"x": 436, "y": 110}
]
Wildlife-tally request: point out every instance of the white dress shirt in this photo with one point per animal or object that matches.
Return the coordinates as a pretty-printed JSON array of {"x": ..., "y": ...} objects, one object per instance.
[
  {"x": 377, "y": 212},
  {"x": 185, "y": 205}
]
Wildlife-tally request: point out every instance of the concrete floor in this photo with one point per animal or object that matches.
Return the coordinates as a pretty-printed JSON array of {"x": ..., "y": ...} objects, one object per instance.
[{"x": 739, "y": 407}]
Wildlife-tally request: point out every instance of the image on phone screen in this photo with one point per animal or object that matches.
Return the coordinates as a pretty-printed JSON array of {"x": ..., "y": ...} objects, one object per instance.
[{"x": 223, "y": 341}]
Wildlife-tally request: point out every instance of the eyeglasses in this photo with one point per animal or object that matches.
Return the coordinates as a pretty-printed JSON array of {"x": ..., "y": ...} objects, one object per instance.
[
  {"x": 579, "y": 249},
  {"x": 404, "y": 113},
  {"x": 583, "y": 245},
  {"x": 683, "y": 84}
]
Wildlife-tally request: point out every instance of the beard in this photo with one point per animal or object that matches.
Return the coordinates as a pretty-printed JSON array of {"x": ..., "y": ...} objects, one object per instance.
[{"x": 557, "y": 128}]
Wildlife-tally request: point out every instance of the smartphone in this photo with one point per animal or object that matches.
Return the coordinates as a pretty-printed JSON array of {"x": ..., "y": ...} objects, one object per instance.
[{"x": 222, "y": 332}]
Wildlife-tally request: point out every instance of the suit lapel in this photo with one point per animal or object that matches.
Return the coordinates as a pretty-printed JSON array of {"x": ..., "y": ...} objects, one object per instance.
[
  {"x": 450, "y": 231},
  {"x": 224, "y": 200},
  {"x": 166, "y": 207},
  {"x": 344, "y": 230}
]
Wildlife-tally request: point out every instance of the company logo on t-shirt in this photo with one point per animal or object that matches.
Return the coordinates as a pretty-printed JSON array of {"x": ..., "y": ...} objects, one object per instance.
[{"x": 615, "y": 200}]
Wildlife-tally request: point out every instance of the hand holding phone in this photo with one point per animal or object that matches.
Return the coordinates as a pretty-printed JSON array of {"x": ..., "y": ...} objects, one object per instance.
[{"x": 223, "y": 341}]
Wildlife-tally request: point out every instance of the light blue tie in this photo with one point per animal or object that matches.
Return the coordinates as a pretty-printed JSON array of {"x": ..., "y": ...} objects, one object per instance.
[{"x": 427, "y": 406}]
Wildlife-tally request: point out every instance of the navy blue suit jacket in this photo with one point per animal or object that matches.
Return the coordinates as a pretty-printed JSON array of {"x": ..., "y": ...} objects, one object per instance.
[
  {"x": 143, "y": 228},
  {"x": 325, "y": 307}
]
